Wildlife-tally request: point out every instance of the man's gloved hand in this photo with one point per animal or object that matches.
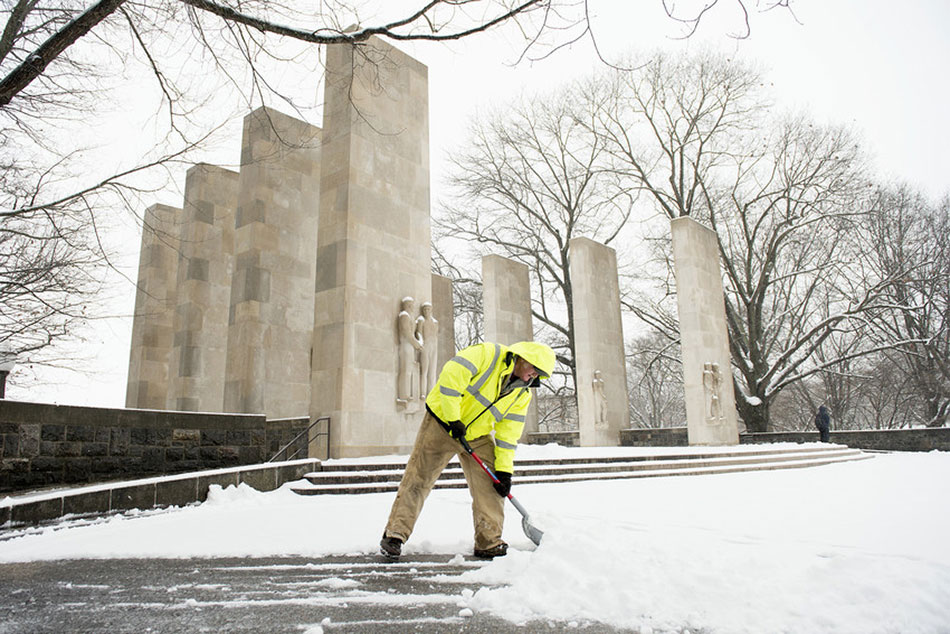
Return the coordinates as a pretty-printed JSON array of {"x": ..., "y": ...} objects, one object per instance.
[
  {"x": 456, "y": 429},
  {"x": 503, "y": 486}
]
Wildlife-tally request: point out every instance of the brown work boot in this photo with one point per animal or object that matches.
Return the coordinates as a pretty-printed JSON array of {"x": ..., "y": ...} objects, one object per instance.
[
  {"x": 390, "y": 547},
  {"x": 490, "y": 553}
]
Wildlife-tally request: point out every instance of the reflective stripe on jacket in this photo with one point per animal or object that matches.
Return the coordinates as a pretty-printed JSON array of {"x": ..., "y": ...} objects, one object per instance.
[{"x": 469, "y": 389}]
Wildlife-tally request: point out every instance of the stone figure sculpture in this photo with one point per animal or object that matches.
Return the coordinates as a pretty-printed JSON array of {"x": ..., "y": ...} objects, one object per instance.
[
  {"x": 712, "y": 385},
  {"x": 600, "y": 400},
  {"x": 407, "y": 381},
  {"x": 427, "y": 330}
]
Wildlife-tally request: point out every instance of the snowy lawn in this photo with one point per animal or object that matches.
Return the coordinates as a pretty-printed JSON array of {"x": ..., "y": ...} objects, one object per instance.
[{"x": 857, "y": 547}]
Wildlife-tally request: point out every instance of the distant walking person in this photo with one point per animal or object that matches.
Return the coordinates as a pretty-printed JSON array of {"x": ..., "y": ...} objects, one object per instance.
[{"x": 823, "y": 423}]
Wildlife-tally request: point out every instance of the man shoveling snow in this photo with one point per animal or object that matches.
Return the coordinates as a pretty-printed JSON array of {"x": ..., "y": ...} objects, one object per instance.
[{"x": 479, "y": 402}]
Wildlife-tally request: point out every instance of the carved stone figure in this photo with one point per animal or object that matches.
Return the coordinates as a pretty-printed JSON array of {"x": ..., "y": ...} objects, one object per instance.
[
  {"x": 600, "y": 400},
  {"x": 712, "y": 384},
  {"x": 427, "y": 330},
  {"x": 407, "y": 381}
]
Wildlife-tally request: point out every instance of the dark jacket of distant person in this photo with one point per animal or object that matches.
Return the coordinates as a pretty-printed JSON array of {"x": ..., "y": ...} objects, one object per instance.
[{"x": 823, "y": 423}]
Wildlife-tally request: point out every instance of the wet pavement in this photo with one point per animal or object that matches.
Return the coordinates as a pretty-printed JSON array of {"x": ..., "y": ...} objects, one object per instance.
[{"x": 421, "y": 593}]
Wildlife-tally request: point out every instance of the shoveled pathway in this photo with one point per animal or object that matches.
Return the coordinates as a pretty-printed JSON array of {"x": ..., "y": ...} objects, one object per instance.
[{"x": 421, "y": 593}]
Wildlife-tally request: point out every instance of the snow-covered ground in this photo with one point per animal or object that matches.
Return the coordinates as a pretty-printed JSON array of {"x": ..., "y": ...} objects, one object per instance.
[{"x": 858, "y": 547}]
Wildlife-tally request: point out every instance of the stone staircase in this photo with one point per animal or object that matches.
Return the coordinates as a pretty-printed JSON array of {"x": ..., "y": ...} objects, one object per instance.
[{"x": 341, "y": 477}]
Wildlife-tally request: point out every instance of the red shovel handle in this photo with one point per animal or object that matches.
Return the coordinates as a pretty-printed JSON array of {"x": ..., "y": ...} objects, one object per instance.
[{"x": 469, "y": 451}]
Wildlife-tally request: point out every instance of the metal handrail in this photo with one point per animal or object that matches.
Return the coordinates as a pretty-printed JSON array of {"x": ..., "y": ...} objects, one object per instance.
[{"x": 301, "y": 434}]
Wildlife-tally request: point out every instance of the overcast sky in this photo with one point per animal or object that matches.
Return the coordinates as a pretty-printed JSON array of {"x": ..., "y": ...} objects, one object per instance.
[{"x": 866, "y": 63}]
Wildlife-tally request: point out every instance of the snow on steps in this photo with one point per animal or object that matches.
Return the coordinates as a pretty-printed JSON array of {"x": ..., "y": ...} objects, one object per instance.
[{"x": 384, "y": 476}]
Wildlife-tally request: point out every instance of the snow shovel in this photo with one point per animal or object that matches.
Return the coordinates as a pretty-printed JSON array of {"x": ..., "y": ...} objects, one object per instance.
[{"x": 532, "y": 532}]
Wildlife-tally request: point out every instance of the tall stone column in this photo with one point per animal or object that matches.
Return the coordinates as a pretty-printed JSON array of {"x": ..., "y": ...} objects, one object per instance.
[
  {"x": 200, "y": 347},
  {"x": 153, "y": 320},
  {"x": 704, "y": 336},
  {"x": 275, "y": 237},
  {"x": 373, "y": 245},
  {"x": 599, "y": 360},
  {"x": 443, "y": 305},
  {"x": 506, "y": 298},
  {"x": 506, "y": 301}
]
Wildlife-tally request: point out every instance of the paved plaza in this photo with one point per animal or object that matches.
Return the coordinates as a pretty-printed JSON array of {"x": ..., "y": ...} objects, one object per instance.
[{"x": 336, "y": 594}]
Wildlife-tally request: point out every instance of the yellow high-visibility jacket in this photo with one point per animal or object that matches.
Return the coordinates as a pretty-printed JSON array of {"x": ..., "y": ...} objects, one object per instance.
[{"x": 469, "y": 390}]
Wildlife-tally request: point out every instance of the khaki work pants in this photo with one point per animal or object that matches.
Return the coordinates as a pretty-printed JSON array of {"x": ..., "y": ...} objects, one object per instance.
[{"x": 433, "y": 449}]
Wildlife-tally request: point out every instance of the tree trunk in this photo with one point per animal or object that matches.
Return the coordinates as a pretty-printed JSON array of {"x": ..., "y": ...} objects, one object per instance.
[
  {"x": 755, "y": 416},
  {"x": 938, "y": 410}
]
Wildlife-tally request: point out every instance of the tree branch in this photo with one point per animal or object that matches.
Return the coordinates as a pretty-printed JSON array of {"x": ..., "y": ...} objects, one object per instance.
[{"x": 34, "y": 65}]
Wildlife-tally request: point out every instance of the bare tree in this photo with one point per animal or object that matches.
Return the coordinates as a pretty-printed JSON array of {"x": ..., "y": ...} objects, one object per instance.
[
  {"x": 655, "y": 380},
  {"x": 785, "y": 230},
  {"x": 696, "y": 136},
  {"x": 466, "y": 300},
  {"x": 532, "y": 179},
  {"x": 908, "y": 244},
  {"x": 842, "y": 378},
  {"x": 887, "y": 372},
  {"x": 670, "y": 123},
  {"x": 890, "y": 398},
  {"x": 557, "y": 408},
  {"x": 842, "y": 387},
  {"x": 47, "y": 274}
]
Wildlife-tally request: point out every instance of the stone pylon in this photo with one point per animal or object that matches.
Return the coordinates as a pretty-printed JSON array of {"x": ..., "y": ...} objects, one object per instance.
[
  {"x": 599, "y": 359},
  {"x": 704, "y": 336},
  {"x": 199, "y": 351},
  {"x": 275, "y": 237},
  {"x": 373, "y": 245},
  {"x": 444, "y": 306},
  {"x": 153, "y": 320},
  {"x": 506, "y": 301}
]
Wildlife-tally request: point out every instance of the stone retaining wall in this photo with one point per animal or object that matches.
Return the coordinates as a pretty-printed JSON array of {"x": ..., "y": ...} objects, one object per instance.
[
  {"x": 928, "y": 439},
  {"x": 147, "y": 493},
  {"x": 563, "y": 438},
  {"x": 660, "y": 437},
  {"x": 42, "y": 445},
  {"x": 663, "y": 437},
  {"x": 882, "y": 440}
]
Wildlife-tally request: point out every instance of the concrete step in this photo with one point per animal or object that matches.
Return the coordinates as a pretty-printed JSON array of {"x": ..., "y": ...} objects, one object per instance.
[
  {"x": 765, "y": 450},
  {"x": 529, "y": 469},
  {"x": 340, "y": 479}
]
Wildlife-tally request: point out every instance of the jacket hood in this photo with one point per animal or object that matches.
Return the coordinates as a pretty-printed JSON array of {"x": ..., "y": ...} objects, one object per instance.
[{"x": 537, "y": 354}]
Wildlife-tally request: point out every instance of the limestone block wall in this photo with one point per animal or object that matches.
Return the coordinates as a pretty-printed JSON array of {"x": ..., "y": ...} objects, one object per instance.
[
  {"x": 155, "y": 297},
  {"x": 707, "y": 368},
  {"x": 199, "y": 350},
  {"x": 506, "y": 301},
  {"x": 373, "y": 244},
  {"x": 598, "y": 344},
  {"x": 275, "y": 237},
  {"x": 44, "y": 444}
]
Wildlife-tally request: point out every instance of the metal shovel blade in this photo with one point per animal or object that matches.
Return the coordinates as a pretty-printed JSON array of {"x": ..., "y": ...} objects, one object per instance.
[{"x": 531, "y": 532}]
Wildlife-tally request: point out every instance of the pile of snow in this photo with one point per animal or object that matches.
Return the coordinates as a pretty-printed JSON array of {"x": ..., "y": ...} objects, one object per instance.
[{"x": 853, "y": 547}]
